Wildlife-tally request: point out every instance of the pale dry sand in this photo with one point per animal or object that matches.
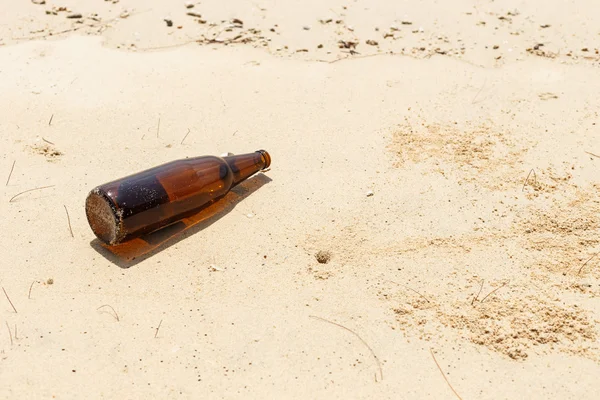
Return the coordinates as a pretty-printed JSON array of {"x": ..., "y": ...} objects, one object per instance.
[{"x": 460, "y": 251}]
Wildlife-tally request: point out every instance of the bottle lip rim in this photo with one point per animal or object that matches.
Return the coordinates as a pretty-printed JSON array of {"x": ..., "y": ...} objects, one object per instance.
[{"x": 267, "y": 157}]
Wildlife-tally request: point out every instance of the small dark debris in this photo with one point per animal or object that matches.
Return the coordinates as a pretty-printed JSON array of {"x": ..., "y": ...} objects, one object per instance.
[
  {"x": 74, "y": 16},
  {"x": 323, "y": 257},
  {"x": 320, "y": 46},
  {"x": 325, "y": 21},
  {"x": 237, "y": 21},
  {"x": 496, "y": 47},
  {"x": 194, "y": 14},
  {"x": 302, "y": 51},
  {"x": 372, "y": 42},
  {"x": 168, "y": 22},
  {"x": 343, "y": 44},
  {"x": 406, "y": 23},
  {"x": 339, "y": 21},
  {"x": 585, "y": 49},
  {"x": 50, "y": 281},
  {"x": 545, "y": 26}
]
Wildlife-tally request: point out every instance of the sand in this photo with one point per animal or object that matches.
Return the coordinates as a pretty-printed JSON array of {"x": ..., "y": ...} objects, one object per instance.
[{"x": 440, "y": 158}]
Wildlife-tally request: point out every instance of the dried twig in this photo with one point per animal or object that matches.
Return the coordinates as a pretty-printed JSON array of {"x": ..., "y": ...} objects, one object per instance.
[
  {"x": 399, "y": 284},
  {"x": 29, "y": 190},
  {"x": 186, "y": 135},
  {"x": 50, "y": 122},
  {"x": 585, "y": 263},
  {"x": 101, "y": 26},
  {"x": 361, "y": 339},
  {"x": 11, "y": 171},
  {"x": 165, "y": 47},
  {"x": 111, "y": 307},
  {"x": 69, "y": 221},
  {"x": 426, "y": 299},
  {"x": 30, "y": 287},
  {"x": 47, "y": 141},
  {"x": 527, "y": 179},
  {"x": 592, "y": 154},
  {"x": 494, "y": 291},
  {"x": 10, "y": 333},
  {"x": 480, "y": 289},
  {"x": 8, "y": 298},
  {"x": 479, "y": 92},
  {"x": 444, "y": 375},
  {"x": 157, "y": 328}
]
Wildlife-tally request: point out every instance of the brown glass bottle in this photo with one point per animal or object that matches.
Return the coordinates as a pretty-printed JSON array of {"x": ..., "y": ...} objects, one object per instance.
[{"x": 149, "y": 200}]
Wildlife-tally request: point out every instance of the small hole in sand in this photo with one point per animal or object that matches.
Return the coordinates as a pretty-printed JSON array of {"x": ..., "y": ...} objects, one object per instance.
[{"x": 323, "y": 257}]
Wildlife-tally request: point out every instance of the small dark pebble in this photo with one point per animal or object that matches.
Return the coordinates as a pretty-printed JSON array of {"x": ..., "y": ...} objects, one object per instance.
[
  {"x": 74, "y": 16},
  {"x": 168, "y": 22}
]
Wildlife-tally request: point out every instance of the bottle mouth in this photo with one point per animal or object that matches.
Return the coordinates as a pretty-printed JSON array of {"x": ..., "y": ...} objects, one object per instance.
[{"x": 266, "y": 158}]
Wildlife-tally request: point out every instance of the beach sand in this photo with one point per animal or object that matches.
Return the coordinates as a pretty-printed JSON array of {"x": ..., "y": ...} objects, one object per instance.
[{"x": 444, "y": 154}]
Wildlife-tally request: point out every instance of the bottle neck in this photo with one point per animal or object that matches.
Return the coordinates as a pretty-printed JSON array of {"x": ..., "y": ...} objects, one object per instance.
[{"x": 244, "y": 166}]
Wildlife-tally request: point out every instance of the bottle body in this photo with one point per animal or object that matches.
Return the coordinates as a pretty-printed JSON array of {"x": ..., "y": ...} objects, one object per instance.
[{"x": 149, "y": 200}]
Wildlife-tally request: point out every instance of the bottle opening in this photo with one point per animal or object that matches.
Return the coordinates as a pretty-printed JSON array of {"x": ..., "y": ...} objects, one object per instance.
[{"x": 266, "y": 158}]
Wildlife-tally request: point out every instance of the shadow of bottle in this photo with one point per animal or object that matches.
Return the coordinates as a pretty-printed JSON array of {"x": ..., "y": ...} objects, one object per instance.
[{"x": 130, "y": 253}]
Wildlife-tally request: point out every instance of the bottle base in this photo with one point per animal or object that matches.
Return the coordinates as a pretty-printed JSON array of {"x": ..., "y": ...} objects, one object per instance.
[{"x": 102, "y": 218}]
